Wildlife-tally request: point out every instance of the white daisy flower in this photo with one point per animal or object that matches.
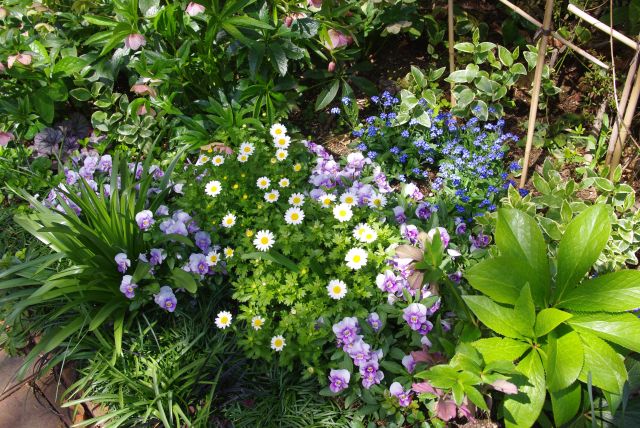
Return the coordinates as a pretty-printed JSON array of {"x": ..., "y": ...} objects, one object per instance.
[
  {"x": 378, "y": 201},
  {"x": 223, "y": 320},
  {"x": 327, "y": 199},
  {"x": 228, "y": 252},
  {"x": 277, "y": 130},
  {"x": 348, "y": 198},
  {"x": 272, "y": 196},
  {"x": 213, "y": 188},
  {"x": 257, "y": 322},
  {"x": 281, "y": 154},
  {"x": 356, "y": 258},
  {"x": 278, "y": 343},
  {"x": 247, "y": 149},
  {"x": 242, "y": 158},
  {"x": 264, "y": 240},
  {"x": 282, "y": 141},
  {"x": 294, "y": 215},
  {"x": 202, "y": 159},
  {"x": 296, "y": 199},
  {"x": 229, "y": 220},
  {"x": 263, "y": 183},
  {"x": 213, "y": 258},
  {"x": 369, "y": 236},
  {"x": 217, "y": 160},
  {"x": 337, "y": 289},
  {"x": 342, "y": 212},
  {"x": 359, "y": 230},
  {"x": 284, "y": 182}
]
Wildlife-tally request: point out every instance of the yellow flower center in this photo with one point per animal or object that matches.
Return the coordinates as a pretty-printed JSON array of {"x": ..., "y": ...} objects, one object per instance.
[
  {"x": 244, "y": 196},
  {"x": 249, "y": 233},
  {"x": 247, "y": 149},
  {"x": 337, "y": 289},
  {"x": 224, "y": 320},
  {"x": 257, "y": 322},
  {"x": 343, "y": 213},
  {"x": 278, "y": 343},
  {"x": 264, "y": 240},
  {"x": 295, "y": 216},
  {"x": 356, "y": 258},
  {"x": 235, "y": 186},
  {"x": 278, "y": 131},
  {"x": 348, "y": 200}
]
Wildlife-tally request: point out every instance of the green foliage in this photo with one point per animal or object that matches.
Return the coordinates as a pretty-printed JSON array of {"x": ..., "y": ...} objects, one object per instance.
[
  {"x": 560, "y": 328},
  {"x": 175, "y": 372}
]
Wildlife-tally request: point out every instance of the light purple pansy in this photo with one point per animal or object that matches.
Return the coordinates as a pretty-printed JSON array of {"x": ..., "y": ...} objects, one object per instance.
[
  {"x": 444, "y": 235},
  {"x": 203, "y": 240},
  {"x": 145, "y": 219},
  {"x": 374, "y": 321},
  {"x": 415, "y": 315},
  {"x": 339, "y": 380},
  {"x": 409, "y": 363},
  {"x": 346, "y": 330},
  {"x": 127, "y": 287},
  {"x": 198, "y": 264},
  {"x": 398, "y": 213},
  {"x": 388, "y": 282},
  {"x": 157, "y": 256},
  {"x": 404, "y": 397},
  {"x": 123, "y": 262},
  {"x": 166, "y": 299}
]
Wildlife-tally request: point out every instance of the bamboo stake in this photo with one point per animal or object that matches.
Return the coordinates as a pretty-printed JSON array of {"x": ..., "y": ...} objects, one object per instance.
[
  {"x": 602, "y": 26},
  {"x": 626, "y": 125},
  {"x": 535, "y": 96},
  {"x": 452, "y": 59},
  {"x": 555, "y": 35},
  {"x": 626, "y": 92}
]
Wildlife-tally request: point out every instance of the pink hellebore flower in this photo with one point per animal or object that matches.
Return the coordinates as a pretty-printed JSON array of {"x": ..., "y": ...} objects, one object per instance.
[
  {"x": 24, "y": 59},
  {"x": 5, "y": 137},
  {"x": 141, "y": 89},
  {"x": 331, "y": 67},
  {"x": 134, "y": 41},
  {"x": 194, "y": 9},
  {"x": 505, "y": 386},
  {"x": 142, "y": 110},
  {"x": 446, "y": 409},
  {"x": 292, "y": 17},
  {"x": 314, "y": 3},
  {"x": 337, "y": 40}
]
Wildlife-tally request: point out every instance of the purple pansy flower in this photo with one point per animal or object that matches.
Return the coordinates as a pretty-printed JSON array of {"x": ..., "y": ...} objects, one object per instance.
[
  {"x": 339, "y": 380},
  {"x": 346, "y": 330},
  {"x": 479, "y": 241},
  {"x": 123, "y": 262},
  {"x": 374, "y": 321},
  {"x": 145, "y": 219},
  {"x": 166, "y": 299},
  {"x": 162, "y": 210},
  {"x": 444, "y": 235},
  {"x": 409, "y": 363},
  {"x": 157, "y": 256},
  {"x": 423, "y": 211},
  {"x": 198, "y": 264},
  {"x": 399, "y": 214},
  {"x": 404, "y": 397},
  {"x": 127, "y": 287},
  {"x": 359, "y": 352},
  {"x": 409, "y": 232},
  {"x": 203, "y": 240},
  {"x": 415, "y": 315},
  {"x": 388, "y": 282}
]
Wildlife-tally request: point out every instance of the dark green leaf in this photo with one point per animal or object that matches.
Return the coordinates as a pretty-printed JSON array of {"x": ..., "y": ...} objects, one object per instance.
[
  {"x": 613, "y": 292},
  {"x": 327, "y": 95}
]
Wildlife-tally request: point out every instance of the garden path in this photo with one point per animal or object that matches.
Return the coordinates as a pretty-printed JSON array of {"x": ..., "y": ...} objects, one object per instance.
[{"x": 28, "y": 404}]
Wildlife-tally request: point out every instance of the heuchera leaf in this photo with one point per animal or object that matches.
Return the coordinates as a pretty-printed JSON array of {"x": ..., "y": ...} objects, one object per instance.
[{"x": 581, "y": 244}]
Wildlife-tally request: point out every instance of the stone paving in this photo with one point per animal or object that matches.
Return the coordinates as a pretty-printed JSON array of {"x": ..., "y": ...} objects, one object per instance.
[{"x": 28, "y": 405}]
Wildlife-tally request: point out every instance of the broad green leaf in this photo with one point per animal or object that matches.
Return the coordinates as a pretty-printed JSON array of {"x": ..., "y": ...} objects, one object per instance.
[
  {"x": 441, "y": 376},
  {"x": 462, "y": 76},
  {"x": 498, "y": 318},
  {"x": 184, "y": 280},
  {"x": 500, "y": 278},
  {"x": 278, "y": 58},
  {"x": 565, "y": 357},
  {"x": 500, "y": 348},
  {"x": 505, "y": 56},
  {"x": 582, "y": 242},
  {"x": 487, "y": 85},
  {"x": 476, "y": 397},
  {"x": 100, "y": 20},
  {"x": 623, "y": 329},
  {"x": 80, "y": 94},
  {"x": 70, "y": 65},
  {"x": 605, "y": 365},
  {"x": 103, "y": 313},
  {"x": 465, "y": 97},
  {"x": 613, "y": 292},
  {"x": 43, "y": 105},
  {"x": 519, "y": 237},
  {"x": 327, "y": 95},
  {"x": 548, "y": 319},
  {"x": 524, "y": 313},
  {"x": 566, "y": 403},
  {"x": 465, "y": 47},
  {"x": 522, "y": 410}
]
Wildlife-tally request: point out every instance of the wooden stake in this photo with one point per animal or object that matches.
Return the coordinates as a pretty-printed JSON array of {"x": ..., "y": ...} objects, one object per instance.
[
  {"x": 602, "y": 26},
  {"x": 626, "y": 92},
  {"x": 557, "y": 36},
  {"x": 535, "y": 96},
  {"x": 452, "y": 59},
  {"x": 626, "y": 125}
]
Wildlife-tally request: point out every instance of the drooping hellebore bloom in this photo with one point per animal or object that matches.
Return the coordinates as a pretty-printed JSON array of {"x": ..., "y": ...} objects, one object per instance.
[
  {"x": 194, "y": 9},
  {"x": 337, "y": 40},
  {"x": 292, "y": 17},
  {"x": 134, "y": 41},
  {"x": 145, "y": 219},
  {"x": 142, "y": 89},
  {"x": 123, "y": 262},
  {"x": 5, "y": 137},
  {"x": 127, "y": 287},
  {"x": 404, "y": 397},
  {"x": 331, "y": 67},
  {"x": 24, "y": 59},
  {"x": 339, "y": 380},
  {"x": 314, "y": 3},
  {"x": 415, "y": 315},
  {"x": 166, "y": 299}
]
